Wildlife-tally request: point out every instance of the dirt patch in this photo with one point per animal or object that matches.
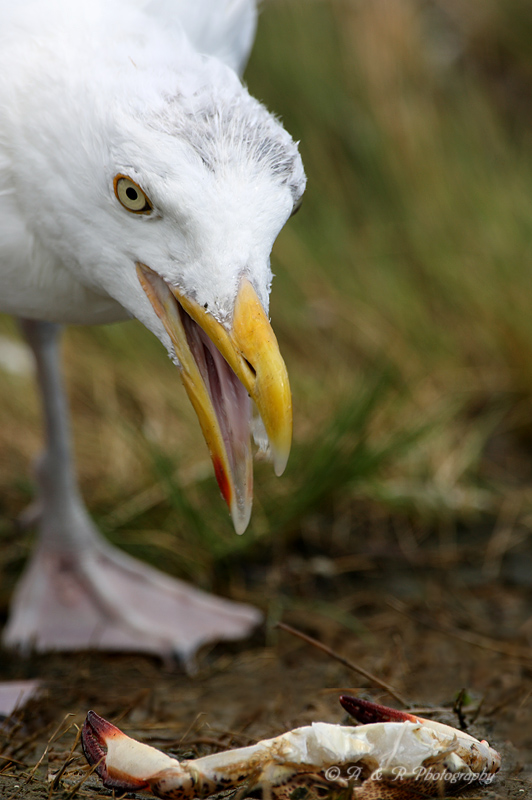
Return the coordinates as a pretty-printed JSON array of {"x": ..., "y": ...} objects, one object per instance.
[{"x": 430, "y": 622}]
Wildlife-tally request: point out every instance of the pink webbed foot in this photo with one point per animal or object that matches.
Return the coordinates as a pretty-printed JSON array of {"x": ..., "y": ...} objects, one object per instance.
[
  {"x": 15, "y": 694},
  {"x": 100, "y": 598}
]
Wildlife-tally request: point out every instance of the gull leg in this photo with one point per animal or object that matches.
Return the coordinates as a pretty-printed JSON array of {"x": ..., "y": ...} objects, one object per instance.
[{"x": 78, "y": 592}]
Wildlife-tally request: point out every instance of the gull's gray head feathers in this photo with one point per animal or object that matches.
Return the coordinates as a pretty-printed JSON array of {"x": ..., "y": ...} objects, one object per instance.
[{"x": 221, "y": 172}]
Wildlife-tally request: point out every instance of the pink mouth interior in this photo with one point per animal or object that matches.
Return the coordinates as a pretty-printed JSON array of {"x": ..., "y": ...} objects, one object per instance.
[{"x": 231, "y": 404}]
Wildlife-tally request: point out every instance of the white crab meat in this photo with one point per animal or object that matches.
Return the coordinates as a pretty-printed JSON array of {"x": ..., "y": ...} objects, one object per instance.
[{"x": 399, "y": 748}]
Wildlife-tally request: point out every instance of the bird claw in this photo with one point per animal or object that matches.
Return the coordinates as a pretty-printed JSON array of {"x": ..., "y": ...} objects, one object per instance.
[{"x": 391, "y": 748}]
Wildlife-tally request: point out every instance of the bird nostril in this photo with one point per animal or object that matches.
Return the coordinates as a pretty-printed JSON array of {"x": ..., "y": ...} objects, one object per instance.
[{"x": 251, "y": 368}]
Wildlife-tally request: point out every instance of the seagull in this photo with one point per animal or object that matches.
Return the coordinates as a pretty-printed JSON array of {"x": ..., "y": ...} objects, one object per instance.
[{"x": 139, "y": 178}]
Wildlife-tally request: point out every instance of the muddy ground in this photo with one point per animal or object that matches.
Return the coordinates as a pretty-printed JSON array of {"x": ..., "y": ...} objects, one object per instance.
[{"x": 430, "y": 615}]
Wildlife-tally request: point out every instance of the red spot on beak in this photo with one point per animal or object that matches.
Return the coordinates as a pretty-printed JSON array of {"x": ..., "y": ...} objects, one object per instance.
[{"x": 223, "y": 482}]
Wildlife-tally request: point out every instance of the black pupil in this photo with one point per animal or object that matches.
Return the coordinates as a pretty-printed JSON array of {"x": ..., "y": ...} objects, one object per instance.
[{"x": 132, "y": 193}]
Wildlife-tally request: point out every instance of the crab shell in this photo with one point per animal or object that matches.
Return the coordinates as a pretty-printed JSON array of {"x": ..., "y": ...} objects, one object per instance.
[{"x": 392, "y": 752}]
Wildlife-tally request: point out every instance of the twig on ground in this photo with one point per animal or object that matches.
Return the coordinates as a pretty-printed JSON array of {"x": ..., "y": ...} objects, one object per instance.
[
  {"x": 75, "y": 789},
  {"x": 458, "y": 708},
  {"x": 191, "y": 726},
  {"x": 139, "y": 697},
  {"x": 67, "y": 762},
  {"x": 349, "y": 664},
  {"x": 55, "y": 735}
]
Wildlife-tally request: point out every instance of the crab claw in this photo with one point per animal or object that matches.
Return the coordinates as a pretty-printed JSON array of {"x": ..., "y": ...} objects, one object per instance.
[
  {"x": 366, "y": 713},
  {"x": 105, "y": 746},
  {"x": 478, "y": 755}
]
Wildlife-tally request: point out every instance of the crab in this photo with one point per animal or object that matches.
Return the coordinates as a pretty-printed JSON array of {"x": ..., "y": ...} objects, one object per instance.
[{"x": 392, "y": 754}]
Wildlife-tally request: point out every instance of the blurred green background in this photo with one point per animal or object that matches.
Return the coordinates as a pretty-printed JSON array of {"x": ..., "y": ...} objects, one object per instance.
[{"x": 402, "y": 303}]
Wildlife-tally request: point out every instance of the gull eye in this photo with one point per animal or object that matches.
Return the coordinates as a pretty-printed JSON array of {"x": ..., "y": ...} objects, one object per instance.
[{"x": 131, "y": 196}]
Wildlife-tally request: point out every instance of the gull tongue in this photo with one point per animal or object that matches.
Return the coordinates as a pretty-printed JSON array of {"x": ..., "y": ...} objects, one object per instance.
[{"x": 232, "y": 406}]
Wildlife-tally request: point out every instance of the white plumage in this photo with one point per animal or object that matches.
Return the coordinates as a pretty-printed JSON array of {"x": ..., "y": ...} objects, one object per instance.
[
  {"x": 139, "y": 178},
  {"x": 105, "y": 89}
]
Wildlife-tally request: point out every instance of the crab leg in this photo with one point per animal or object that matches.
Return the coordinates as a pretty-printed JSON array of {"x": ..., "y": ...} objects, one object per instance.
[
  {"x": 125, "y": 764},
  {"x": 391, "y": 741}
]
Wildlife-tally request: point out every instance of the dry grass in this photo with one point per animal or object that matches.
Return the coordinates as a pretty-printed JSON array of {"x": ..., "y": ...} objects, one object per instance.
[{"x": 402, "y": 298}]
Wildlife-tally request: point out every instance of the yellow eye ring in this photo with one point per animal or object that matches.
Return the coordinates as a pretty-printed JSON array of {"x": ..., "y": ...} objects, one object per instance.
[{"x": 130, "y": 195}]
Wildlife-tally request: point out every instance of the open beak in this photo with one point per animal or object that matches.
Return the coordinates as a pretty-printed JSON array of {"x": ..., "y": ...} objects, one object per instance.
[{"x": 223, "y": 370}]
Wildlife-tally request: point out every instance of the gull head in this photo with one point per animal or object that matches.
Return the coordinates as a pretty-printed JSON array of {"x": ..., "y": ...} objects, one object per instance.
[{"x": 163, "y": 185}]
